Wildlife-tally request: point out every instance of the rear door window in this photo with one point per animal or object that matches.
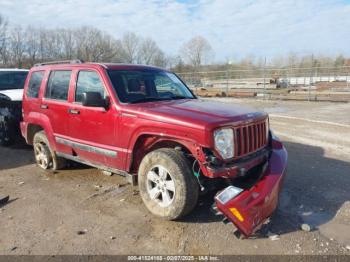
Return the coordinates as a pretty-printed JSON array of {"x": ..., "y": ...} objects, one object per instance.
[
  {"x": 88, "y": 81},
  {"x": 34, "y": 84},
  {"x": 58, "y": 85}
]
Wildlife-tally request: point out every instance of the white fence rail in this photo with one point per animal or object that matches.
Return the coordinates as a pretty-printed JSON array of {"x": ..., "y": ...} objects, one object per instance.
[{"x": 317, "y": 81}]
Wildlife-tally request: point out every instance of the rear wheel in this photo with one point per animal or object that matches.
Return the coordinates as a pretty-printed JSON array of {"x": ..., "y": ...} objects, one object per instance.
[
  {"x": 167, "y": 186},
  {"x": 45, "y": 157}
]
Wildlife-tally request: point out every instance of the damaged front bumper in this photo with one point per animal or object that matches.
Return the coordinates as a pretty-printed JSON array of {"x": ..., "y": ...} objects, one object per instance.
[{"x": 249, "y": 209}]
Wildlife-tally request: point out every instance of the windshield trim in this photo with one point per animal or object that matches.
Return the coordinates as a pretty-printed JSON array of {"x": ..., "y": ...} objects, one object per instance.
[{"x": 155, "y": 70}]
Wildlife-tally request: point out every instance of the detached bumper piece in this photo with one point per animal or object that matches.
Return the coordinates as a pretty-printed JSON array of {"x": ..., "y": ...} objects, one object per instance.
[{"x": 249, "y": 209}]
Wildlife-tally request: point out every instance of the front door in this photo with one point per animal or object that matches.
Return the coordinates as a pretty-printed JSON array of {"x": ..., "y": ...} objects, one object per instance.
[{"x": 92, "y": 130}]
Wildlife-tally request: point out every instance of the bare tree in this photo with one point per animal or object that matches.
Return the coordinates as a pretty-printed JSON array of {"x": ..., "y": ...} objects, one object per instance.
[
  {"x": 32, "y": 44},
  {"x": 108, "y": 48},
  {"x": 160, "y": 59},
  {"x": 17, "y": 46},
  {"x": 52, "y": 45},
  {"x": 293, "y": 60},
  {"x": 196, "y": 51},
  {"x": 129, "y": 46},
  {"x": 69, "y": 43},
  {"x": 95, "y": 45},
  {"x": 42, "y": 46},
  {"x": 3, "y": 31},
  {"x": 148, "y": 49},
  {"x": 86, "y": 43},
  {"x": 175, "y": 63},
  {"x": 339, "y": 61}
]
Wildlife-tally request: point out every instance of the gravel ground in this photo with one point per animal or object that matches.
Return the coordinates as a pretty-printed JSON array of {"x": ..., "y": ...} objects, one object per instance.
[{"x": 81, "y": 211}]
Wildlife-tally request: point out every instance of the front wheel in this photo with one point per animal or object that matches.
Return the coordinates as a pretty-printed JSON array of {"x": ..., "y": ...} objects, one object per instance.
[{"x": 167, "y": 186}]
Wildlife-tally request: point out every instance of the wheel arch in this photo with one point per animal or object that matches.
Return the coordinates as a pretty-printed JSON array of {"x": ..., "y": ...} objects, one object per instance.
[
  {"x": 149, "y": 142},
  {"x": 38, "y": 122},
  {"x": 32, "y": 129}
]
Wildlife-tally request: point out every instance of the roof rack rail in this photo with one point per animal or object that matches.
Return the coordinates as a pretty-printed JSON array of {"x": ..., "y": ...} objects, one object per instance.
[{"x": 75, "y": 61}]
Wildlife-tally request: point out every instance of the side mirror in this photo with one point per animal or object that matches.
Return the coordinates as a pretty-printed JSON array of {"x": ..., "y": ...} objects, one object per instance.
[{"x": 93, "y": 99}]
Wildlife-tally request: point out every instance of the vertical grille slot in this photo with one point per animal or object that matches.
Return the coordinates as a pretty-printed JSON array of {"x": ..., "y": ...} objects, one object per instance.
[
  {"x": 238, "y": 142},
  {"x": 251, "y": 145},
  {"x": 246, "y": 139},
  {"x": 243, "y": 141},
  {"x": 264, "y": 132},
  {"x": 250, "y": 138}
]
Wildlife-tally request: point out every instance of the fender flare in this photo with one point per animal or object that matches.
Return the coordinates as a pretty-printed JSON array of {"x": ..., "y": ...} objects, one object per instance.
[
  {"x": 155, "y": 138},
  {"x": 42, "y": 120}
]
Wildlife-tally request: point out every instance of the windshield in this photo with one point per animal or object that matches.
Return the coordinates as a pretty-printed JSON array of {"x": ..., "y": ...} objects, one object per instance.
[
  {"x": 136, "y": 86},
  {"x": 12, "y": 79}
]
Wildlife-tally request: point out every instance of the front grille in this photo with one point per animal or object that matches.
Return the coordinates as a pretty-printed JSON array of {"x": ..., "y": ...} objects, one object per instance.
[{"x": 250, "y": 138}]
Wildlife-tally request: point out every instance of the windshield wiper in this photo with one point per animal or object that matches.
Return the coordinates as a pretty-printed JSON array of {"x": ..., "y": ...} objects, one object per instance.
[
  {"x": 152, "y": 98},
  {"x": 181, "y": 97},
  {"x": 149, "y": 99}
]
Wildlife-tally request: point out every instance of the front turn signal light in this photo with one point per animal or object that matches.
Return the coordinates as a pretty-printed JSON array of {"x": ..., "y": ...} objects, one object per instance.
[{"x": 236, "y": 213}]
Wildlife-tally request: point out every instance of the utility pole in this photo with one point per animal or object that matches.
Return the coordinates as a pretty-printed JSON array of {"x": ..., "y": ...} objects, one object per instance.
[
  {"x": 226, "y": 80},
  {"x": 228, "y": 67},
  {"x": 264, "y": 78},
  {"x": 311, "y": 74}
]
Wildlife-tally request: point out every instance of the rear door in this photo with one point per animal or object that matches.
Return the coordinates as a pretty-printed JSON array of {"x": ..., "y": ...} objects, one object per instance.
[
  {"x": 31, "y": 101},
  {"x": 55, "y": 104},
  {"x": 92, "y": 130}
]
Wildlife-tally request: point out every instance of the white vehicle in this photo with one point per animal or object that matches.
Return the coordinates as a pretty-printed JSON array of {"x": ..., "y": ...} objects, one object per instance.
[{"x": 11, "y": 92}]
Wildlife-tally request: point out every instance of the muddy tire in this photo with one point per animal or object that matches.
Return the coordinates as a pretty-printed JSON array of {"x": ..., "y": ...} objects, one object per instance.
[
  {"x": 45, "y": 157},
  {"x": 167, "y": 186}
]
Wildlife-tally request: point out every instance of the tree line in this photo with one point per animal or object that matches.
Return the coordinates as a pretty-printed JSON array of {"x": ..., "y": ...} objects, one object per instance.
[{"x": 23, "y": 47}]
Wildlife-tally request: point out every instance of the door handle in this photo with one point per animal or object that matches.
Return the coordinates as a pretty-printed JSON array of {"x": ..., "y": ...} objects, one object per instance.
[
  {"x": 73, "y": 111},
  {"x": 43, "y": 106}
]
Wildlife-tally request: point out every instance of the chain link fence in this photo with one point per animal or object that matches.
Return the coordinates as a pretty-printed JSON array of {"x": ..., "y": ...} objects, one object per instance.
[{"x": 317, "y": 83}]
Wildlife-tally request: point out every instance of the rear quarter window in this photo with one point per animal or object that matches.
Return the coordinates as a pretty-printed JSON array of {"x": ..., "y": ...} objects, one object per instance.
[
  {"x": 58, "y": 85},
  {"x": 34, "y": 84}
]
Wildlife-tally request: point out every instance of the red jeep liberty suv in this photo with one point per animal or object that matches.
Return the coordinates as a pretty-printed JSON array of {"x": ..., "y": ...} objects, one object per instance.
[{"x": 144, "y": 122}]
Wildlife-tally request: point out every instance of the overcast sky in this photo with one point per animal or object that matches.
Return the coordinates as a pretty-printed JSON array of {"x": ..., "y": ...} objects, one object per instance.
[{"x": 234, "y": 28}]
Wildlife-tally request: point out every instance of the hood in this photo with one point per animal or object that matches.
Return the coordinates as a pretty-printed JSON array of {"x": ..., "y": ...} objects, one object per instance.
[
  {"x": 196, "y": 113},
  {"x": 13, "y": 94}
]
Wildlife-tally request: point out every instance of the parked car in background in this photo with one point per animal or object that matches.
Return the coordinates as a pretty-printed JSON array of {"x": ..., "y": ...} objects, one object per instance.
[
  {"x": 11, "y": 93},
  {"x": 282, "y": 83},
  {"x": 145, "y": 123}
]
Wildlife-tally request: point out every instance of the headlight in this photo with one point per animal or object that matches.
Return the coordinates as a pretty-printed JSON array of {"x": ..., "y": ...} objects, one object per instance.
[{"x": 224, "y": 142}]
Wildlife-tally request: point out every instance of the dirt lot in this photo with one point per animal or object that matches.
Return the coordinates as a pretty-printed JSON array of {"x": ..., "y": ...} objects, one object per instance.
[{"x": 81, "y": 211}]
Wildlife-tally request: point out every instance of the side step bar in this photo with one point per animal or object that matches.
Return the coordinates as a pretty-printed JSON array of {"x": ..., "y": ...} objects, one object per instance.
[{"x": 130, "y": 178}]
